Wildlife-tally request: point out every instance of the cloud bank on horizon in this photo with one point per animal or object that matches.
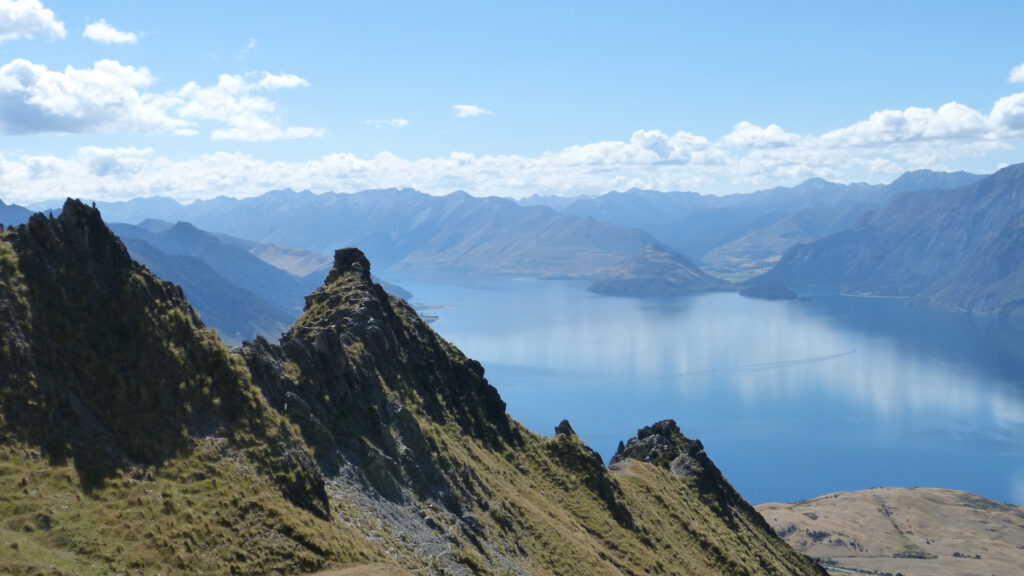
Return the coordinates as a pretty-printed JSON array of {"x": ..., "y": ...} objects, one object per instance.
[{"x": 112, "y": 98}]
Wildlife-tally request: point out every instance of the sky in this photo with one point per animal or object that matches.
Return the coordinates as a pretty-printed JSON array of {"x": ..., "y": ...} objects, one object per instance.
[{"x": 111, "y": 100}]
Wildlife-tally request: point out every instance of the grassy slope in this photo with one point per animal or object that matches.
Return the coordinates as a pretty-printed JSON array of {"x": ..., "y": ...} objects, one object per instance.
[
  {"x": 210, "y": 512},
  {"x": 535, "y": 507},
  {"x": 865, "y": 531}
]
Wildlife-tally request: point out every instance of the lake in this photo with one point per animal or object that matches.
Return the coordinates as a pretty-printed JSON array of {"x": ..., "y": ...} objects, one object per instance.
[{"x": 791, "y": 399}]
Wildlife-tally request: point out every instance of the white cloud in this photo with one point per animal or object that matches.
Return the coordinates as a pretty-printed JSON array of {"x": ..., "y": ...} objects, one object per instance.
[
  {"x": 388, "y": 123},
  {"x": 950, "y": 121},
  {"x": 107, "y": 34},
  {"x": 231, "y": 102},
  {"x": 1017, "y": 74},
  {"x": 26, "y": 18},
  {"x": 747, "y": 135},
  {"x": 114, "y": 162},
  {"x": 470, "y": 110},
  {"x": 108, "y": 97},
  {"x": 1008, "y": 115},
  {"x": 279, "y": 81},
  {"x": 111, "y": 97}
]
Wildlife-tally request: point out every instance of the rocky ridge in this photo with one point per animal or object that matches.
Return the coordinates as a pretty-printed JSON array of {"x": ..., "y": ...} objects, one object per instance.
[{"x": 361, "y": 438}]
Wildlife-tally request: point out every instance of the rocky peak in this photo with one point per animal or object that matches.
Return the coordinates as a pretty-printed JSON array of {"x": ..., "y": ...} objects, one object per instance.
[
  {"x": 349, "y": 260},
  {"x": 356, "y": 370},
  {"x": 564, "y": 429},
  {"x": 662, "y": 444}
]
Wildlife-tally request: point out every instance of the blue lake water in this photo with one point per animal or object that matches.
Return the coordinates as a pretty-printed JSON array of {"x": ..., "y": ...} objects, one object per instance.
[{"x": 791, "y": 399}]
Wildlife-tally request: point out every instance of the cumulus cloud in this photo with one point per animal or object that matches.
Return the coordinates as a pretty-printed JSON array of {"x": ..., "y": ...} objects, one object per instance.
[
  {"x": 107, "y": 34},
  {"x": 26, "y": 19},
  {"x": 470, "y": 110},
  {"x": 383, "y": 123},
  {"x": 952, "y": 120},
  {"x": 747, "y": 135},
  {"x": 1008, "y": 115},
  {"x": 279, "y": 81},
  {"x": 1017, "y": 74},
  {"x": 108, "y": 97},
  {"x": 231, "y": 101},
  {"x": 111, "y": 97}
]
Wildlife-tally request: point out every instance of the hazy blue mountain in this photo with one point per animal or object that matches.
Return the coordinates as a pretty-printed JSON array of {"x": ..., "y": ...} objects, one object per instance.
[
  {"x": 752, "y": 231},
  {"x": 235, "y": 291},
  {"x": 12, "y": 214},
  {"x": 931, "y": 180},
  {"x": 237, "y": 313},
  {"x": 959, "y": 249},
  {"x": 657, "y": 273},
  {"x": 139, "y": 209},
  {"x": 285, "y": 291},
  {"x": 406, "y": 229},
  {"x": 559, "y": 203}
]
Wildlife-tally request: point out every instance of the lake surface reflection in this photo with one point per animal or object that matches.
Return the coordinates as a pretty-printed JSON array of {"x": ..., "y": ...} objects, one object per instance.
[{"x": 791, "y": 399}]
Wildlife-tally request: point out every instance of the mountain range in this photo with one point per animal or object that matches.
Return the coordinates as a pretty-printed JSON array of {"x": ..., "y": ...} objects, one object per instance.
[
  {"x": 411, "y": 231},
  {"x": 132, "y": 441},
  {"x": 961, "y": 249},
  {"x": 907, "y": 239},
  {"x": 748, "y": 232}
]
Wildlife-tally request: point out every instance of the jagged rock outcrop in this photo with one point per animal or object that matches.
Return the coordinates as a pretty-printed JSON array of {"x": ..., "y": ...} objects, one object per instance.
[{"x": 664, "y": 445}]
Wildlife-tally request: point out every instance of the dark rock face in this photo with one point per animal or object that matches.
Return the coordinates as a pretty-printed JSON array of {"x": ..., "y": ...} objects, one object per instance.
[
  {"x": 564, "y": 429},
  {"x": 364, "y": 361},
  {"x": 107, "y": 365}
]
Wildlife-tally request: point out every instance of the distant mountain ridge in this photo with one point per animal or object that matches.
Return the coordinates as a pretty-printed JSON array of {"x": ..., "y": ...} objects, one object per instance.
[
  {"x": 235, "y": 291},
  {"x": 409, "y": 230},
  {"x": 12, "y": 214},
  {"x": 959, "y": 249},
  {"x": 749, "y": 231},
  {"x": 735, "y": 236}
]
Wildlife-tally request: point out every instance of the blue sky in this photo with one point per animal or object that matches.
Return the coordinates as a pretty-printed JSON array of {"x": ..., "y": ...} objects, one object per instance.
[{"x": 188, "y": 99}]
